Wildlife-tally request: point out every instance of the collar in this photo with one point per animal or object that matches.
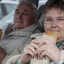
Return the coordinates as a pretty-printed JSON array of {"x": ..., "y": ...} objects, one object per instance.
[
  {"x": 29, "y": 28},
  {"x": 59, "y": 43},
  {"x": 25, "y": 32}
]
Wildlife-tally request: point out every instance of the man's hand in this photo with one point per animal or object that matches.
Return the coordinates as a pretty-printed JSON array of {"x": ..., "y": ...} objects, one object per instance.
[{"x": 2, "y": 54}]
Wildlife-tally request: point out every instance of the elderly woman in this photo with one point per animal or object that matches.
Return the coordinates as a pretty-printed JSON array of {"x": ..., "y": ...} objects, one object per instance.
[{"x": 53, "y": 21}]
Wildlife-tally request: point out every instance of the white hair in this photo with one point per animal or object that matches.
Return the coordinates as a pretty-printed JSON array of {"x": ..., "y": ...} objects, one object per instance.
[{"x": 33, "y": 6}]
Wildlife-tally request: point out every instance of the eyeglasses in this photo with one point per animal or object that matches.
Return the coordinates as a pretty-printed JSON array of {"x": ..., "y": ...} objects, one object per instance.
[{"x": 49, "y": 20}]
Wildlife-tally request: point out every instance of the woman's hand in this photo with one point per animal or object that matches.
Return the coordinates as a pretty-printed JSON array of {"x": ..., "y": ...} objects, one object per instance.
[
  {"x": 29, "y": 51},
  {"x": 49, "y": 49}
]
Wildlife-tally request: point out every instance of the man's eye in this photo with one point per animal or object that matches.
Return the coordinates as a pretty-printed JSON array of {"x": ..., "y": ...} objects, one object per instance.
[
  {"x": 17, "y": 12},
  {"x": 25, "y": 14}
]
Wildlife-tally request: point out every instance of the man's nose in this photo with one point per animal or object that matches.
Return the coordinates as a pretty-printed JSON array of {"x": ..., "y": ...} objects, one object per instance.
[
  {"x": 54, "y": 24},
  {"x": 19, "y": 16}
]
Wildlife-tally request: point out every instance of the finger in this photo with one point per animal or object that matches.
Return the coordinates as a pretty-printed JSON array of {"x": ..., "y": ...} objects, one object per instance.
[
  {"x": 43, "y": 54},
  {"x": 29, "y": 52},
  {"x": 32, "y": 46},
  {"x": 44, "y": 42},
  {"x": 32, "y": 49},
  {"x": 35, "y": 41},
  {"x": 35, "y": 46},
  {"x": 41, "y": 49}
]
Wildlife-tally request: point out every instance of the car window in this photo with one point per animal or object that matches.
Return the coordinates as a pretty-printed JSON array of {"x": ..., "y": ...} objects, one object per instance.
[
  {"x": 0, "y": 12},
  {"x": 10, "y": 7}
]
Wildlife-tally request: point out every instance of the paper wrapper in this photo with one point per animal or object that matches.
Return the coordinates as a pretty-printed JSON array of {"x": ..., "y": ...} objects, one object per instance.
[
  {"x": 52, "y": 36},
  {"x": 39, "y": 61}
]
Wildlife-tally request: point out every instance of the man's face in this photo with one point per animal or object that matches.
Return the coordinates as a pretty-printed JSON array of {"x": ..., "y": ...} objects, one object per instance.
[
  {"x": 54, "y": 20},
  {"x": 24, "y": 16}
]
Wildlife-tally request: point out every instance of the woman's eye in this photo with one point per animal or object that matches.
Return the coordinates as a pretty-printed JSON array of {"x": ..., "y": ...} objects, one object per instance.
[
  {"x": 48, "y": 19},
  {"x": 61, "y": 19}
]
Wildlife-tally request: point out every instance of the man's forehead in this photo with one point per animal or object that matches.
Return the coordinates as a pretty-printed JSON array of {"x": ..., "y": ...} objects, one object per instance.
[
  {"x": 24, "y": 8},
  {"x": 25, "y": 5}
]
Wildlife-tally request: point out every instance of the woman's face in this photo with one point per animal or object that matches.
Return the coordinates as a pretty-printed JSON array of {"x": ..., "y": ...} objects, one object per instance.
[{"x": 54, "y": 20}]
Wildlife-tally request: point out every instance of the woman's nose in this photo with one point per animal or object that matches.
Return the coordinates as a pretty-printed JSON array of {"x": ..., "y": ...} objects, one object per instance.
[{"x": 54, "y": 24}]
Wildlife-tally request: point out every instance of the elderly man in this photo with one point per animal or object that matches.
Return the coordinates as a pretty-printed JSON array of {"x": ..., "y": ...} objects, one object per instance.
[{"x": 25, "y": 24}]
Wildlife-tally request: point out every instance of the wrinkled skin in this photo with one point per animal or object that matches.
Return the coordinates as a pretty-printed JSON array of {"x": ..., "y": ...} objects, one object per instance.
[{"x": 24, "y": 16}]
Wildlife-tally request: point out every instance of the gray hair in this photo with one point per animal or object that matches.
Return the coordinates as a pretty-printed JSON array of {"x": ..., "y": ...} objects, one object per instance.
[
  {"x": 41, "y": 19},
  {"x": 33, "y": 6},
  {"x": 57, "y": 4}
]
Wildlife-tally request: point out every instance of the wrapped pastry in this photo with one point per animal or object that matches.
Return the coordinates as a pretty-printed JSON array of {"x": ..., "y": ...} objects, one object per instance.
[{"x": 50, "y": 35}]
